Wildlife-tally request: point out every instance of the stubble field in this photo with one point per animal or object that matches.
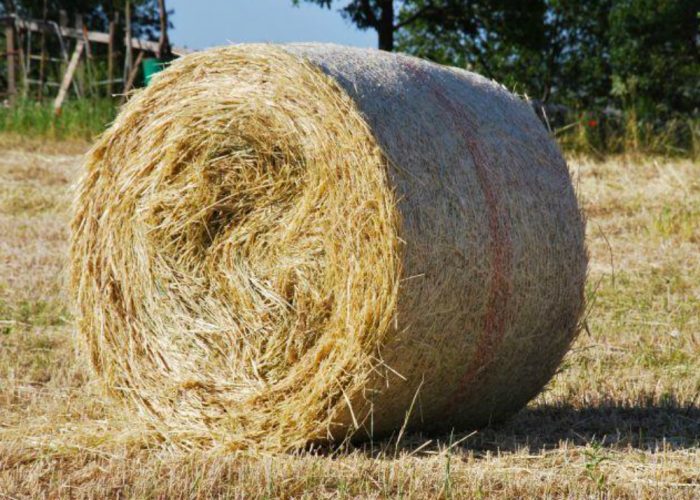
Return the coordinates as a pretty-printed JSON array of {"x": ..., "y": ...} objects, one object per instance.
[{"x": 622, "y": 417}]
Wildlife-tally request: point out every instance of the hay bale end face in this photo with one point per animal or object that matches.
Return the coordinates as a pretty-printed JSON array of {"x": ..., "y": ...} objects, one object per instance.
[{"x": 274, "y": 245}]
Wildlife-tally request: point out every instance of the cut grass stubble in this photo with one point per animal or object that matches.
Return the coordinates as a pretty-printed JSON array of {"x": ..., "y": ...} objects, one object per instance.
[{"x": 621, "y": 417}]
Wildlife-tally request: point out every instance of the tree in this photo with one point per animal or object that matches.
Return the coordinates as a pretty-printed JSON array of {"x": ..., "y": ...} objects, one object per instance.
[
  {"x": 9, "y": 6},
  {"x": 588, "y": 54},
  {"x": 383, "y": 17},
  {"x": 483, "y": 34},
  {"x": 444, "y": 21},
  {"x": 164, "y": 51},
  {"x": 655, "y": 56}
]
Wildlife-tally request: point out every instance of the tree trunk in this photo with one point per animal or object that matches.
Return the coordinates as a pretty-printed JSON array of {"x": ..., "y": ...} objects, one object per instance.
[
  {"x": 10, "y": 8},
  {"x": 385, "y": 27},
  {"x": 44, "y": 53},
  {"x": 128, "y": 55},
  {"x": 164, "y": 43},
  {"x": 110, "y": 53},
  {"x": 10, "y": 50}
]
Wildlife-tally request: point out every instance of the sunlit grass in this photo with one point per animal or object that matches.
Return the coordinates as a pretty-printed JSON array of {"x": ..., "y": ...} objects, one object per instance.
[
  {"x": 79, "y": 119},
  {"x": 620, "y": 419}
]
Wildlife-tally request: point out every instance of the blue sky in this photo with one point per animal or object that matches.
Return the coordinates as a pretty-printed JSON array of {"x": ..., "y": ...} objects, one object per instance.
[{"x": 204, "y": 23}]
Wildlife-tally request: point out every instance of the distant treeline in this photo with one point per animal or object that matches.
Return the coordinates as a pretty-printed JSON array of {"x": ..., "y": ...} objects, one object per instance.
[
  {"x": 618, "y": 74},
  {"x": 606, "y": 75}
]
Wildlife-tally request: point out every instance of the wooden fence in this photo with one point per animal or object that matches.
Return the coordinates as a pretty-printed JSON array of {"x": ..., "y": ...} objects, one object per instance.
[{"x": 75, "y": 44}]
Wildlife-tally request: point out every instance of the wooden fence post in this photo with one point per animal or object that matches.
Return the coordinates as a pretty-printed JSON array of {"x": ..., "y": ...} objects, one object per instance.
[
  {"x": 10, "y": 49},
  {"x": 44, "y": 53},
  {"x": 68, "y": 76},
  {"x": 132, "y": 76},
  {"x": 110, "y": 56},
  {"x": 128, "y": 55}
]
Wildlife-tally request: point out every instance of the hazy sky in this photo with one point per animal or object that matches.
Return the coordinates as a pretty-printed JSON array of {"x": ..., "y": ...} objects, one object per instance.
[{"x": 203, "y": 23}]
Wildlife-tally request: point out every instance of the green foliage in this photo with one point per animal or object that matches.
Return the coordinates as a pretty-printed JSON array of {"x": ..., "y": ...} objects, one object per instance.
[
  {"x": 584, "y": 54},
  {"x": 595, "y": 456},
  {"x": 361, "y": 12},
  {"x": 626, "y": 71},
  {"x": 628, "y": 133},
  {"x": 378, "y": 15},
  {"x": 79, "y": 119},
  {"x": 653, "y": 46},
  {"x": 488, "y": 34}
]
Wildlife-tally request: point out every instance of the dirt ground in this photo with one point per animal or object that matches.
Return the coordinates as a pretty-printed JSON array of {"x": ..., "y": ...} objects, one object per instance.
[{"x": 622, "y": 417}]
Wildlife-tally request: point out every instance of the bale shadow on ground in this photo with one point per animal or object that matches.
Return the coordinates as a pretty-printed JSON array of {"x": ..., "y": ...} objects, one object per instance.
[
  {"x": 646, "y": 426},
  {"x": 642, "y": 426}
]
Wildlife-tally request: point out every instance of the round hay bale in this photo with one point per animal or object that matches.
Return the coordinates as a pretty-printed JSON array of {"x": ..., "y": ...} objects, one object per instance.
[{"x": 274, "y": 245}]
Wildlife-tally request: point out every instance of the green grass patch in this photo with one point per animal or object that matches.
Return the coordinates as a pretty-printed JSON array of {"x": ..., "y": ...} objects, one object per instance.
[
  {"x": 27, "y": 312},
  {"x": 41, "y": 312},
  {"x": 627, "y": 134},
  {"x": 681, "y": 221},
  {"x": 79, "y": 119}
]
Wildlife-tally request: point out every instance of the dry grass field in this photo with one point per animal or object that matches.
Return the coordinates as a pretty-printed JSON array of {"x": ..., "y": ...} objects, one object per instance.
[{"x": 622, "y": 418}]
